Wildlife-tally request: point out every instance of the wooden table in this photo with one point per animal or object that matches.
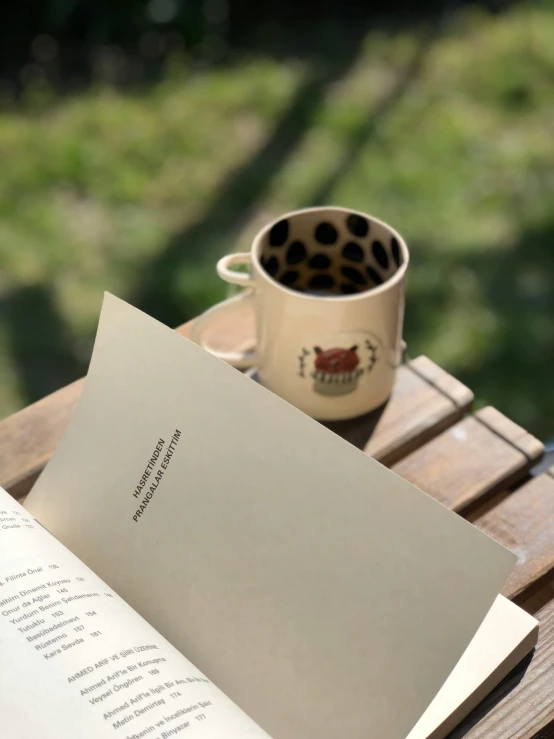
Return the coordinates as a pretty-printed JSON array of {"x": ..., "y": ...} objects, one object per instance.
[{"x": 475, "y": 463}]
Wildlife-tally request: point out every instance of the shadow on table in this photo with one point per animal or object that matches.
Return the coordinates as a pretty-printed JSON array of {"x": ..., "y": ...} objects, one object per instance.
[
  {"x": 358, "y": 431},
  {"x": 497, "y": 695}
]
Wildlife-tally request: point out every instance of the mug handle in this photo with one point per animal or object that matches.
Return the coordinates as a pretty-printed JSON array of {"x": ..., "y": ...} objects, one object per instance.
[{"x": 240, "y": 360}]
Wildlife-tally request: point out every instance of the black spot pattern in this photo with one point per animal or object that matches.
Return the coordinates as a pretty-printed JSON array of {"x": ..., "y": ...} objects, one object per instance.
[
  {"x": 321, "y": 282},
  {"x": 347, "y": 289},
  {"x": 353, "y": 274},
  {"x": 279, "y": 233},
  {"x": 319, "y": 261},
  {"x": 353, "y": 252},
  {"x": 357, "y": 225},
  {"x": 289, "y": 278},
  {"x": 271, "y": 266},
  {"x": 380, "y": 254},
  {"x": 374, "y": 276},
  {"x": 326, "y": 233},
  {"x": 395, "y": 248},
  {"x": 296, "y": 253}
]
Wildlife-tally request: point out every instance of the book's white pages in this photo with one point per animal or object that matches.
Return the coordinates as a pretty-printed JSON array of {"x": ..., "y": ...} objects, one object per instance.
[
  {"x": 505, "y": 637},
  {"x": 322, "y": 593},
  {"x": 76, "y": 662}
]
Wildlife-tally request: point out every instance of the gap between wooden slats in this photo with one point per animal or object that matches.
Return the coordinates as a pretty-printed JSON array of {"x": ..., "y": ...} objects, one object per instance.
[
  {"x": 472, "y": 460},
  {"x": 524, "y": 522}
]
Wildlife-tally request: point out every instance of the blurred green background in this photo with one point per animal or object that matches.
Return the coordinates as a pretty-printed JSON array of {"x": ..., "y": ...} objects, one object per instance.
[{"x": 139, "y": 141}]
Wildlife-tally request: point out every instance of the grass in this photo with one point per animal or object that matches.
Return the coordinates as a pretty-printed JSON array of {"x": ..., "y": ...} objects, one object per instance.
[{"x": 446, "y": 133}]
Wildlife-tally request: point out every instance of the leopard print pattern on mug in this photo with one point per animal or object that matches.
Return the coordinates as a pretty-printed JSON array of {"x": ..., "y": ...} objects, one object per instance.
[{"x": 330, "y": 251}]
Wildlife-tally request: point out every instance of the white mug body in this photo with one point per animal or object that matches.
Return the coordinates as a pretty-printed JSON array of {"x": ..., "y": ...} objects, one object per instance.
[{"x": 332, "y": 355}]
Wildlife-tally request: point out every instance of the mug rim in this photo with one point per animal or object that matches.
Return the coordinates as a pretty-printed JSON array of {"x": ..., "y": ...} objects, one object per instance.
[{"x": 392, "y": 280}]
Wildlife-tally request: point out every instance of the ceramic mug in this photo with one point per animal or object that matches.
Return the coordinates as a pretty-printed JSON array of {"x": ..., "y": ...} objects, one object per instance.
[{"x": 327, "y": 289}]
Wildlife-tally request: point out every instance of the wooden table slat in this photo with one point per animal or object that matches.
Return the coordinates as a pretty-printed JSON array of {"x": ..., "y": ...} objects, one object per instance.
[
  {"x": 471, "y": 460},
  {"x": 422, "y": 405},
  {"x": 538, "y": 596},
  {"x": 524, "y": 522},
  {"x": 522, "y": 706},
  {"x": 511, "y": 432},
  {"x": 28, "y": 438},
  {"x": 452, "y": 388}
]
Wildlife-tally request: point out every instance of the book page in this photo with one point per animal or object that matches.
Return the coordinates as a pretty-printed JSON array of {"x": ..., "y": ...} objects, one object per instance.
[
  {"x": 505, "y": 637},
  {"x": 324, "y": 594},
  {"x": 78, "y": 662}
]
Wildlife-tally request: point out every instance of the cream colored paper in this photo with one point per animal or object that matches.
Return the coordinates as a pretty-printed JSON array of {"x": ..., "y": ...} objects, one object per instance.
[
  {"x": 76, "y": 662},
  {"x": 325, "y": 595},
  {"x": 506, "y": 635}
]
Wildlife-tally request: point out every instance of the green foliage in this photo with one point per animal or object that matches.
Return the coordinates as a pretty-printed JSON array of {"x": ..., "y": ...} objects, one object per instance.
[{"x": 446, "y": 134}]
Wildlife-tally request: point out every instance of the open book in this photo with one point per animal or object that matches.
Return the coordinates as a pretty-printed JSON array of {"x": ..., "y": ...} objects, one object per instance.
[{"x": 251, "y": 574}]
